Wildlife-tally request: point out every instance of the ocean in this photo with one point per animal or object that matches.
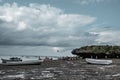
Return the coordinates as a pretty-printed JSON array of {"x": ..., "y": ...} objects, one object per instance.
[{"x": 28, "y": 57}]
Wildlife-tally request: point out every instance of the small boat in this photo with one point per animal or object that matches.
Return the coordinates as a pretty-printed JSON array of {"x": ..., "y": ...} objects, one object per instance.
[
  {"x": 18, "y": 61},
  {"x": 13, "y": 59},
  {"x": 98, "y": 61}
]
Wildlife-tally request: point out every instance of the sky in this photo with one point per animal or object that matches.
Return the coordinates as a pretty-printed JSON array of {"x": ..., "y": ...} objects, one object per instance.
[{"x": 56, "y": 27}]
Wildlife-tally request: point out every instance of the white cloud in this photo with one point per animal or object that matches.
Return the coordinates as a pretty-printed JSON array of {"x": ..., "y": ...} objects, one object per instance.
[
  {"x": 86, "y": 2},
  {"x": 40, "y": 25},
  {"x": 106, "y": 36},
  {"x": 109, "y": 37},
  {"x": 74, "y": 20},
  {"x": 21, "y": 26},
  {"x": 42, "y": 15},
  {"x": 57, "y": 49}
]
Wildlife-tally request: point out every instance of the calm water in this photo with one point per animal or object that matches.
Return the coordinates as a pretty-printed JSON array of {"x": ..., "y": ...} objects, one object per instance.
[{"x": 24, "y": 58}]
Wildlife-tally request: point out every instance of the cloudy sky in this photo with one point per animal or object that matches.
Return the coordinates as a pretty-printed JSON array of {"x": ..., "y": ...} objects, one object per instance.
[{"x": 42, "y": 27}]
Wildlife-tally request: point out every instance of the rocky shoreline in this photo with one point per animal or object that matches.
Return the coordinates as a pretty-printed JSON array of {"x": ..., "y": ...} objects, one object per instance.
[{"x": 62, "y": 70}]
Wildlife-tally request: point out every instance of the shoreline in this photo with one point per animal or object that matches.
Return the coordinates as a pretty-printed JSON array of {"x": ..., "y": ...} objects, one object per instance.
[{"x": 62, "y": 70}]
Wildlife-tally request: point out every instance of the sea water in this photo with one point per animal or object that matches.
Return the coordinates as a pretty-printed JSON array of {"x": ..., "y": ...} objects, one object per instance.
[{"x": 27, "y": 57}]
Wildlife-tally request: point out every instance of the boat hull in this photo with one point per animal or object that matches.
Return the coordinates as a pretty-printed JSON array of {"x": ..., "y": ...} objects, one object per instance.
[
  {"x": 29, "y": 62},
  {"x": 97, "y": 61}
]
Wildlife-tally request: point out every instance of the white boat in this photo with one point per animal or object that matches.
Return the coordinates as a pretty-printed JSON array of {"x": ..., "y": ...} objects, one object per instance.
[
  {"x": 98, "y": 61},
  {"x": 12, "y": 59},
  {"x": 29, "y": 62},
  {"x": 18, "y": 61}
]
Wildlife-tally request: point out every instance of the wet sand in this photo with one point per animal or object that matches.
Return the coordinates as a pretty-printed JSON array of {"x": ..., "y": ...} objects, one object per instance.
[{"x": 62, "y": 70}]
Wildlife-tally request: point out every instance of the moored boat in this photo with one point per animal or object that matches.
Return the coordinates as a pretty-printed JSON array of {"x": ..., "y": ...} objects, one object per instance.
[
  {"x": 98, "y": 61},
  {"x": 19, "y": 61},
  {"x": 12, "y": 59}
]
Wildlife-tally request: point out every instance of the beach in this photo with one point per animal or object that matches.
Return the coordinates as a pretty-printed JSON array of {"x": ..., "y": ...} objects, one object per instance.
[{"x": 62, "y": 70}]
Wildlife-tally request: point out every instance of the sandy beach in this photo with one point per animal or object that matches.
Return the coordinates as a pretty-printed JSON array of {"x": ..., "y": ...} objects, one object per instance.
[{"x": 62, "y": 70}]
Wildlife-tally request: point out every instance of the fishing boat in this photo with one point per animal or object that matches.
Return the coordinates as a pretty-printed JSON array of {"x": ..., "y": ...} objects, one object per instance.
[
  {"x": 98, "y": 61},
  {"x": 18, "y": 61}
]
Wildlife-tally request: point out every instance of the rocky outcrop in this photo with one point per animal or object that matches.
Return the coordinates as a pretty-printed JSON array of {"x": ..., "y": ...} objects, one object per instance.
[{"x": 97, "y": 51}]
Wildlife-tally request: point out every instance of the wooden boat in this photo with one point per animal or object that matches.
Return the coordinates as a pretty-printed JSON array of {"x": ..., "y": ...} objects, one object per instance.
[
  {"x": 98, "y": 61},
  {"x": 19, "y": 61}
]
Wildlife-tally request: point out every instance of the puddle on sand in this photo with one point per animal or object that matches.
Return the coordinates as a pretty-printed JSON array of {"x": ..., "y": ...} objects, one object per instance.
[
  {"x": 116, "y": 75},
  {"x": 47, "y": 74},
  {"x": 2, "y": 72},
  {"x": 13, "y": 76}
]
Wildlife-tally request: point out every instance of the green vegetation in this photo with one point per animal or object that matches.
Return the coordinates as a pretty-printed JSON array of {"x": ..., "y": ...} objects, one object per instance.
[{"x": 97, "y": 50}]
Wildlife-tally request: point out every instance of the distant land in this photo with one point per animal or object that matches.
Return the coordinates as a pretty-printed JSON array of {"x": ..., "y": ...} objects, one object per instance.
[{"x": 97, "y": 51}]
